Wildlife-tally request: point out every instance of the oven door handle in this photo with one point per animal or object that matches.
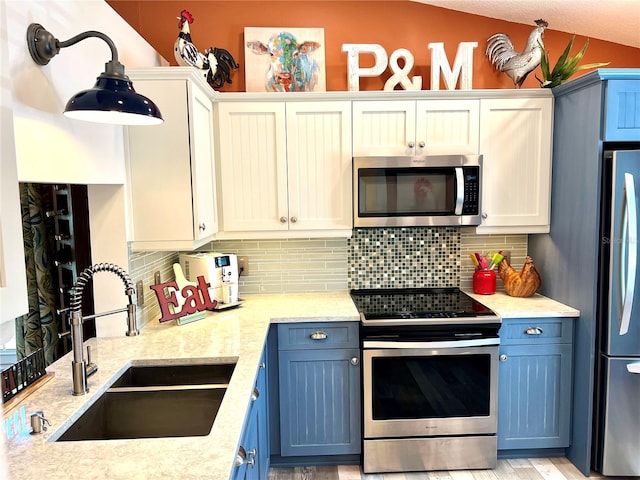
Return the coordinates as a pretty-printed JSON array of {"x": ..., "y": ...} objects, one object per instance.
[{"x": 445, "y": 344}]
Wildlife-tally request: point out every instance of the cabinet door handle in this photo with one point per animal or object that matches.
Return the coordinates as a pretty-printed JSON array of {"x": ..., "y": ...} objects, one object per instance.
[
  {"x": 241, "y": 456},
  {"x": 503, "y": 358},
  {"x": 318, "y": 335},
  {"x": 283, "y": 219},
  {"x": 294, "y": 219},
  {"x": 355, "y": 361},
  {"x": 533, "y": 331}
]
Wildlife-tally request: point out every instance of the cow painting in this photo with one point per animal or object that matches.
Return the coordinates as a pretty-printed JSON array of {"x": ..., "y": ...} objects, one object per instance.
[{"x": 292, "y": 67}]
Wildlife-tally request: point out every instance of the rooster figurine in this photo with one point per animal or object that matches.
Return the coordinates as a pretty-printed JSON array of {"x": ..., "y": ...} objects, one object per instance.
[
  {"x": 216, "y": 63},
  {"x": 523, "y": 284},
  {"x": 517, "y": 65}
]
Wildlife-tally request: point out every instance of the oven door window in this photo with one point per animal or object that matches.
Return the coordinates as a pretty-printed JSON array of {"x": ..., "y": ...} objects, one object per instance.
[
  {"x": 406, "y": 191},
  {"x": 439, "y": 386}
]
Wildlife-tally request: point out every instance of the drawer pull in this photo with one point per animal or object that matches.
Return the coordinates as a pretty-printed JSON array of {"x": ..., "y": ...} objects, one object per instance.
[
  {"x": 533, "y": 331},
  {"x": 318, "y": 335}
]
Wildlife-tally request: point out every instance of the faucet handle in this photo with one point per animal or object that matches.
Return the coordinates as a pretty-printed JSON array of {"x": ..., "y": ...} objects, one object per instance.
[{"x": 90, "y": 367}]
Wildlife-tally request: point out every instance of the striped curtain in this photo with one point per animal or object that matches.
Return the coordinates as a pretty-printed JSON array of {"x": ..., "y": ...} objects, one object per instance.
[{"x": 38, "y": 328}]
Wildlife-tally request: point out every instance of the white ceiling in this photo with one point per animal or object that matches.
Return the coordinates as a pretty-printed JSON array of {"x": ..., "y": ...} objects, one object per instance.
[{"x": 616, "y": 21}]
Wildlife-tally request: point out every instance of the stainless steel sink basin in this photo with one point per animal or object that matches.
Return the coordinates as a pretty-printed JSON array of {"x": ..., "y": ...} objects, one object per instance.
[
  {"x": 152, "y": 401},
  {"x": 162, "y": 375}
]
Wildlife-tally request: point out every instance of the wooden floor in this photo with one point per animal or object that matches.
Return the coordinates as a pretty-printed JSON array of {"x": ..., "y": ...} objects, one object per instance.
[{"x": 513, "y": 469}]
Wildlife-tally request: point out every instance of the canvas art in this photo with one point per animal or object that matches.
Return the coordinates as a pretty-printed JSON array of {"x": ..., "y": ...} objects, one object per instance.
[{"x": 279, "y": 59}]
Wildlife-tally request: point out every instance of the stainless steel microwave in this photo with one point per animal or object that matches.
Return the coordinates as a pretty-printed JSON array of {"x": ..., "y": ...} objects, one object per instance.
[{"x": 417, "y": 191}]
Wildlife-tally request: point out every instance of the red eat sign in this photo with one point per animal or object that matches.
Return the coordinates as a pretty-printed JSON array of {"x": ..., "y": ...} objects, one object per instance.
[{"x": 196, "y": 298}]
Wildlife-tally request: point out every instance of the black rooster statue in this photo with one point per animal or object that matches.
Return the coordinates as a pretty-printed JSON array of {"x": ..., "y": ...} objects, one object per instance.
[
  {"x": 216, "y": 63},
  {"x": 517, "y": 65}
]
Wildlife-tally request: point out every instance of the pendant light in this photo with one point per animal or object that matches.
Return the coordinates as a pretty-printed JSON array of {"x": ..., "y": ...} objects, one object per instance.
[{"x": 112, "y": 99}]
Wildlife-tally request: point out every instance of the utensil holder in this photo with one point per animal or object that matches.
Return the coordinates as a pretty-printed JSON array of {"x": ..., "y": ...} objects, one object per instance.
[{"x": 484, "y": 282}]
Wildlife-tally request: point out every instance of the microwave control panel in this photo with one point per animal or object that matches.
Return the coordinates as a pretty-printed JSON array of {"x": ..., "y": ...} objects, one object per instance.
[{"x": 471, "y": 202}]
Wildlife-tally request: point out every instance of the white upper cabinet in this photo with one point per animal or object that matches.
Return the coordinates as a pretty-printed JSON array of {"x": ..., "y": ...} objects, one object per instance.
[
  {"x": 516, "y": 144},
  {"x": 252, "y": 166},
  {"x": 415, "y": 127},
  {"x": 171, "y": 167},
  {"x": 319, "y": 165},
  {"x": 284, "y": 169}
]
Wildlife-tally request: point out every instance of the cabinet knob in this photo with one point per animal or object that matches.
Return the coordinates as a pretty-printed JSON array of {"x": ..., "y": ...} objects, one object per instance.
[
  {"x": 255, "y": 395},
  {"x": 283, "y": 219},
  {"x": 355, "y": 361},
  {"x": 202, "y": 227},
  {"x": 294, "y": 219},
  {"x": 252, "y": 453},
  {"x": 318, "y": 335},
  {"x": 422, "y": 144},
  {"x": 484, "y": 216},
  {"x": 262, "y": 365},
  {"x": 411, "y": 144},
  {"x": 503, "y": 358}
]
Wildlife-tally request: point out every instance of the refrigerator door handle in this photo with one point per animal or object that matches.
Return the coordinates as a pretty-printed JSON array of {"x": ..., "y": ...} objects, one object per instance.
[
  {"x": 633, "y": 367},
  {"x": 630, "y": 245}
]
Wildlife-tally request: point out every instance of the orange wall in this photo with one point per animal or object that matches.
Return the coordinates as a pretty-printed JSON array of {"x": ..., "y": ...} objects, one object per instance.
[{"x": 393, "y": 24}]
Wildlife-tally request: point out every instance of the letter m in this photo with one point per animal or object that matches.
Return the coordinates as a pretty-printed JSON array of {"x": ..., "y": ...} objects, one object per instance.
[{"x": 462, "y": 66}]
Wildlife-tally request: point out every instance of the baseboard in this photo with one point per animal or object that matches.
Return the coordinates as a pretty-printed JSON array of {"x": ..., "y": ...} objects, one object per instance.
[{"x": 279, "y": 461}]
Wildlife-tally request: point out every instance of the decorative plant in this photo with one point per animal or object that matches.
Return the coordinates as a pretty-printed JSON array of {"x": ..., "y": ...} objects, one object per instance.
[{"x": 565, "y": 67}]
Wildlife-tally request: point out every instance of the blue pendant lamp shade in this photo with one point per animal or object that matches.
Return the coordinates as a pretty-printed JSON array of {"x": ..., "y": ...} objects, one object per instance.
[{"x": 112, "y": 99}]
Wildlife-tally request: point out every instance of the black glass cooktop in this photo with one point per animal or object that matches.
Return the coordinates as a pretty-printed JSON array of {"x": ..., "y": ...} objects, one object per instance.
[{"x": 419, "y": 305}]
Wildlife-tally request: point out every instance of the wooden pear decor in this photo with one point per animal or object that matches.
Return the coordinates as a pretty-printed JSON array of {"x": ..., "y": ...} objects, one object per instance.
[{"x": 523, "y": 284}]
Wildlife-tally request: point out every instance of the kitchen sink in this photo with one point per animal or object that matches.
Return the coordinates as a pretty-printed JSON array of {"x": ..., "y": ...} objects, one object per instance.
[
  {"x": 164, "y": 375},
  {"x": 153, "y": 401}
]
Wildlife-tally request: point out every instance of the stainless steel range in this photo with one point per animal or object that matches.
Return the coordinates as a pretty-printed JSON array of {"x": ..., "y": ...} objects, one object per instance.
[{"x": 430, "y": 380}]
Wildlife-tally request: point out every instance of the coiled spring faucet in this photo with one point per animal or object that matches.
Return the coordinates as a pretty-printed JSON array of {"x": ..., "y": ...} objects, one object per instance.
[{"x": 80, "y": 369}]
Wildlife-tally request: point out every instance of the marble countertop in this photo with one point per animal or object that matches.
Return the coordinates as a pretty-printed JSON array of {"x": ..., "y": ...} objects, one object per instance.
[
  {"x": 529, "y": 307},
  {"x": 237, "y": 334}
]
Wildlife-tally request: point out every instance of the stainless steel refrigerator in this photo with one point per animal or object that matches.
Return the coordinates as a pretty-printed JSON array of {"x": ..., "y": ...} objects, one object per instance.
[{"x": 616, "y": 440}]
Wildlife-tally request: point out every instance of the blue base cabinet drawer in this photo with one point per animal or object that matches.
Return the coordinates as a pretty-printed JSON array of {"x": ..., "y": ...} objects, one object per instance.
[
  {"x": 296, "y": 336},
  {"x": 319, "y": 388},
  {"x": 534, "y": 383}
]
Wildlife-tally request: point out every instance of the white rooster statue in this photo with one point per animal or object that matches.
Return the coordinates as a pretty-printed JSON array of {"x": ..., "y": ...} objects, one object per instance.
[
  {"x": 517, "y": 65},
  {"x": 216, "y": 63}
]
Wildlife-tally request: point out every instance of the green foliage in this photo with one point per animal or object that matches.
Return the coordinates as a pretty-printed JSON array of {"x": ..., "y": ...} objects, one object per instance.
[{"x": 565, "y": 67}]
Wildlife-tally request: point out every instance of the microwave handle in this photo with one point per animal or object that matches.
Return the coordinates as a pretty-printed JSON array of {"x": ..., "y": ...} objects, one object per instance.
[{"x": 459, "y": 191}]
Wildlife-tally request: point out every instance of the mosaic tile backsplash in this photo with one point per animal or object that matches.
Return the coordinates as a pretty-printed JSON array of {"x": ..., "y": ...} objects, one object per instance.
[{"x": 404, "y": 257}]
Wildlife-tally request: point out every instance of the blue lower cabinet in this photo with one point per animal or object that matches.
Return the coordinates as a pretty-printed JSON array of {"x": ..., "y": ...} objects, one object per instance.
[
  {"x": 534, "y": 384},
  {"x": 319, "y": 388},
  {"x": 253, "y": 455}
]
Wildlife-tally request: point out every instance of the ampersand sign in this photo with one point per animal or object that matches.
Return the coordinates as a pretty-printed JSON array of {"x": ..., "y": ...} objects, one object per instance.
[{"x": 400, "y": 74}]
